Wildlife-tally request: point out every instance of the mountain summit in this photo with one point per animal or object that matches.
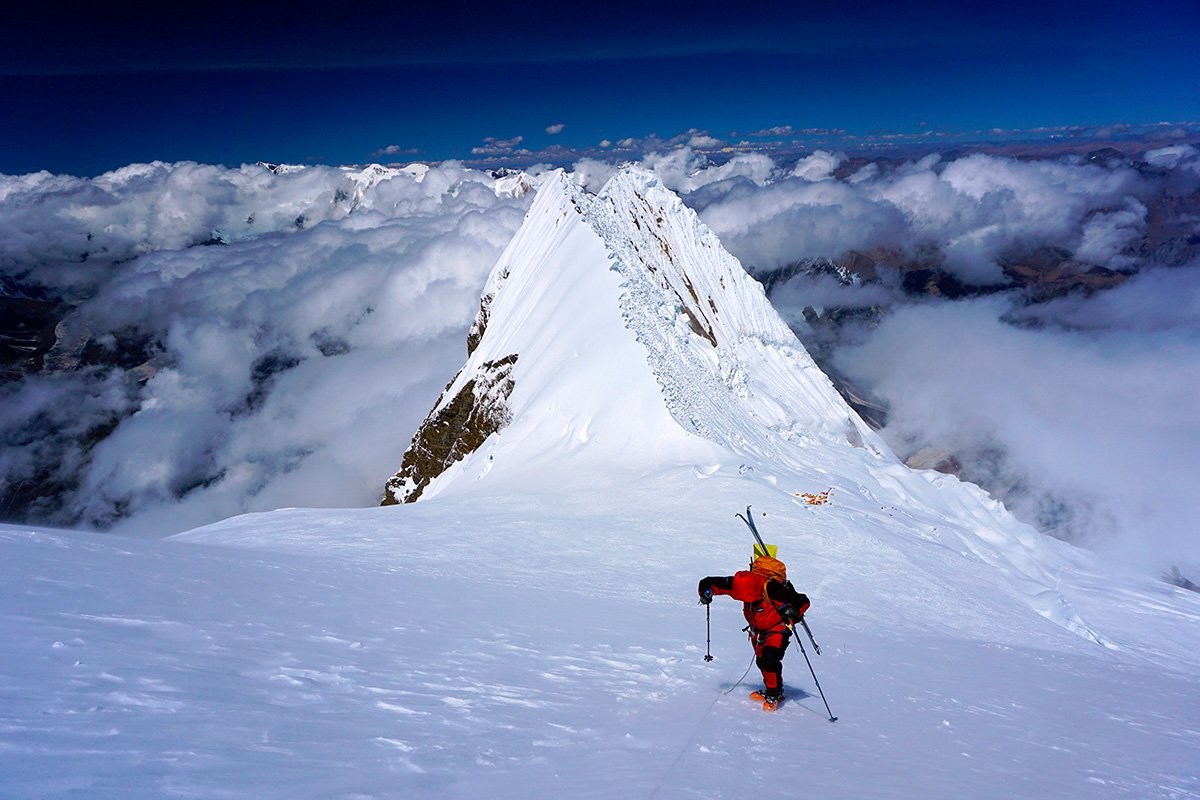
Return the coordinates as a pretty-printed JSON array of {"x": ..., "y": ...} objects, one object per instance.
[{"x": 616, "y": 327}]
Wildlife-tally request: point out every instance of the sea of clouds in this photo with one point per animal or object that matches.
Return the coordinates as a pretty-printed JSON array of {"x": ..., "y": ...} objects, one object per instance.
[
  {"x": 1087, "y": 422},
  {"x": 295, "y": 326},
  {"x": 1080, "y": 411},
  {"x": 287, "y": 367}
]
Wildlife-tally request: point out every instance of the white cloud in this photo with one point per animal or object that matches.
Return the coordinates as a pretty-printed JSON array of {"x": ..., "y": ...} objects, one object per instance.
[
  {"x": 823, "y": 131},
  {"x": 703, "y": 140},
  {"x": 592, "y": 174},
  {"x": 1176, "y": 156},
  {"x": 793, "y": 219},
  {"x": 685, "y": 170},
  {"x": 555, "y": 129},
  {"x": 492, "y": 146},
  {"x": 1098, "y": 427},
  {"x": 397, "y": 150},
  {"x": 1110, "y": 238},
  {"x": 823, "y": 290},
  {"x": 291, "y": 367},
  {"x": 973, "y": 210},
  {"x": 1153, "y": 301},
  {"x": 818, "y": 166},
  {"x": 778, "y": 130}
]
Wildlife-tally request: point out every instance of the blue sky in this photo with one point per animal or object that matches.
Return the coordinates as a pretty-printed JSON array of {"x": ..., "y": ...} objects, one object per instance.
[{"x": 86, "y": 91}]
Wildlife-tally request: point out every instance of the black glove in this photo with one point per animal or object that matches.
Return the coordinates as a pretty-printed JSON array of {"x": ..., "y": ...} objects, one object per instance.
[
  {"x": 789, "y": 613},
  {"x": 706, "y": 597}
]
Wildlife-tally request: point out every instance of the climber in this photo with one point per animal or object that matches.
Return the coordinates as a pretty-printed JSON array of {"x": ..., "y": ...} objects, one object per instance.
[{"x": 771, "y": 606}]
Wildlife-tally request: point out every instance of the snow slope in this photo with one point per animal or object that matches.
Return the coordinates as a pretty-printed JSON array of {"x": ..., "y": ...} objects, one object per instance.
[
  {"x": 525, "y": 647},
  {"x": 529, "y": 628}
]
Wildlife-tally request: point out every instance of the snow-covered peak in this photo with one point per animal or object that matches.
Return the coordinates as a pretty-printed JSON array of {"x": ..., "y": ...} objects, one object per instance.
[
  {"x": 417, "y": 170},
  {"x": 281, "y": 169},
  {"x": 574, "y": 384},
  {"x": 631, "y": 324},
  {"x": 514, "y": 184},
  {"x": 366, "y": 179},
  {"x": 618, "y": 345}
]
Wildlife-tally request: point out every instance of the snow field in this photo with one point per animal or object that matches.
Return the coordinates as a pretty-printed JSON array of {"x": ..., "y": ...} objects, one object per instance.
[{"x": 518, "y": 647}]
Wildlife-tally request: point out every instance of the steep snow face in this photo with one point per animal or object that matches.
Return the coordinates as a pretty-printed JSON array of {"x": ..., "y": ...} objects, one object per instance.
[
  {"x": 627, "y": 314},
  {"x": 730, "y": 369},
  {"x": 580, "y": 386},
  {"x": 638, "y": 346}
]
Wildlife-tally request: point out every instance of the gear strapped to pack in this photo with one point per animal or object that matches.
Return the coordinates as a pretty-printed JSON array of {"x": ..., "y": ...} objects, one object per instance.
[{"x": 770, "y": 568}]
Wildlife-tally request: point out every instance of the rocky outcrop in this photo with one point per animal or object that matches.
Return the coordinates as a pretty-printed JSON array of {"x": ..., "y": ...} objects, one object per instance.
[
  {"x": 479, "y": 326},
  {"x": 1176, "y": 578},
  {"x": 1048, "y": 272},
  {"x": 454, "y": 429},
  {"x": 934, "y": 458}
]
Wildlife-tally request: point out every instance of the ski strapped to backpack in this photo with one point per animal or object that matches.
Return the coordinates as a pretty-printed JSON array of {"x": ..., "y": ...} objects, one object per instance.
[{"x": 749, "y": 520}]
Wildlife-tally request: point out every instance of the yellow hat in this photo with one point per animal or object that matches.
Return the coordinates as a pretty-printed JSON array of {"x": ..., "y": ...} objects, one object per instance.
[{"x": 771, "y": 551}]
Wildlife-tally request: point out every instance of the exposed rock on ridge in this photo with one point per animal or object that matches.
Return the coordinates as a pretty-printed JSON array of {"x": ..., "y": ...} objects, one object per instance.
[{"x": 454, "y": 429}]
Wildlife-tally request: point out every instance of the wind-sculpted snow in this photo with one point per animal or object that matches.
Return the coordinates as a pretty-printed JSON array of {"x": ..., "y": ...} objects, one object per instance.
[{"x": 674, "y": 268}]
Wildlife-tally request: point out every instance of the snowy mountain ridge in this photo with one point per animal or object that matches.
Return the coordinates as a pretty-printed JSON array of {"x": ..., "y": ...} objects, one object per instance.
[
  {"x": 616, "y": 335},
  {"x": 710, "y": 390},
  {"x": 529, "y": 628},
  {"x": 717, "y": 350}
]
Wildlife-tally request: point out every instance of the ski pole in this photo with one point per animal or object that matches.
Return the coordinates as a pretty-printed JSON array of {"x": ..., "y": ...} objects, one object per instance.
[
  {"x": 708, "y": 624},
  {"x": 816, "y": 646},
  {"x": 799, "y": 643}
]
